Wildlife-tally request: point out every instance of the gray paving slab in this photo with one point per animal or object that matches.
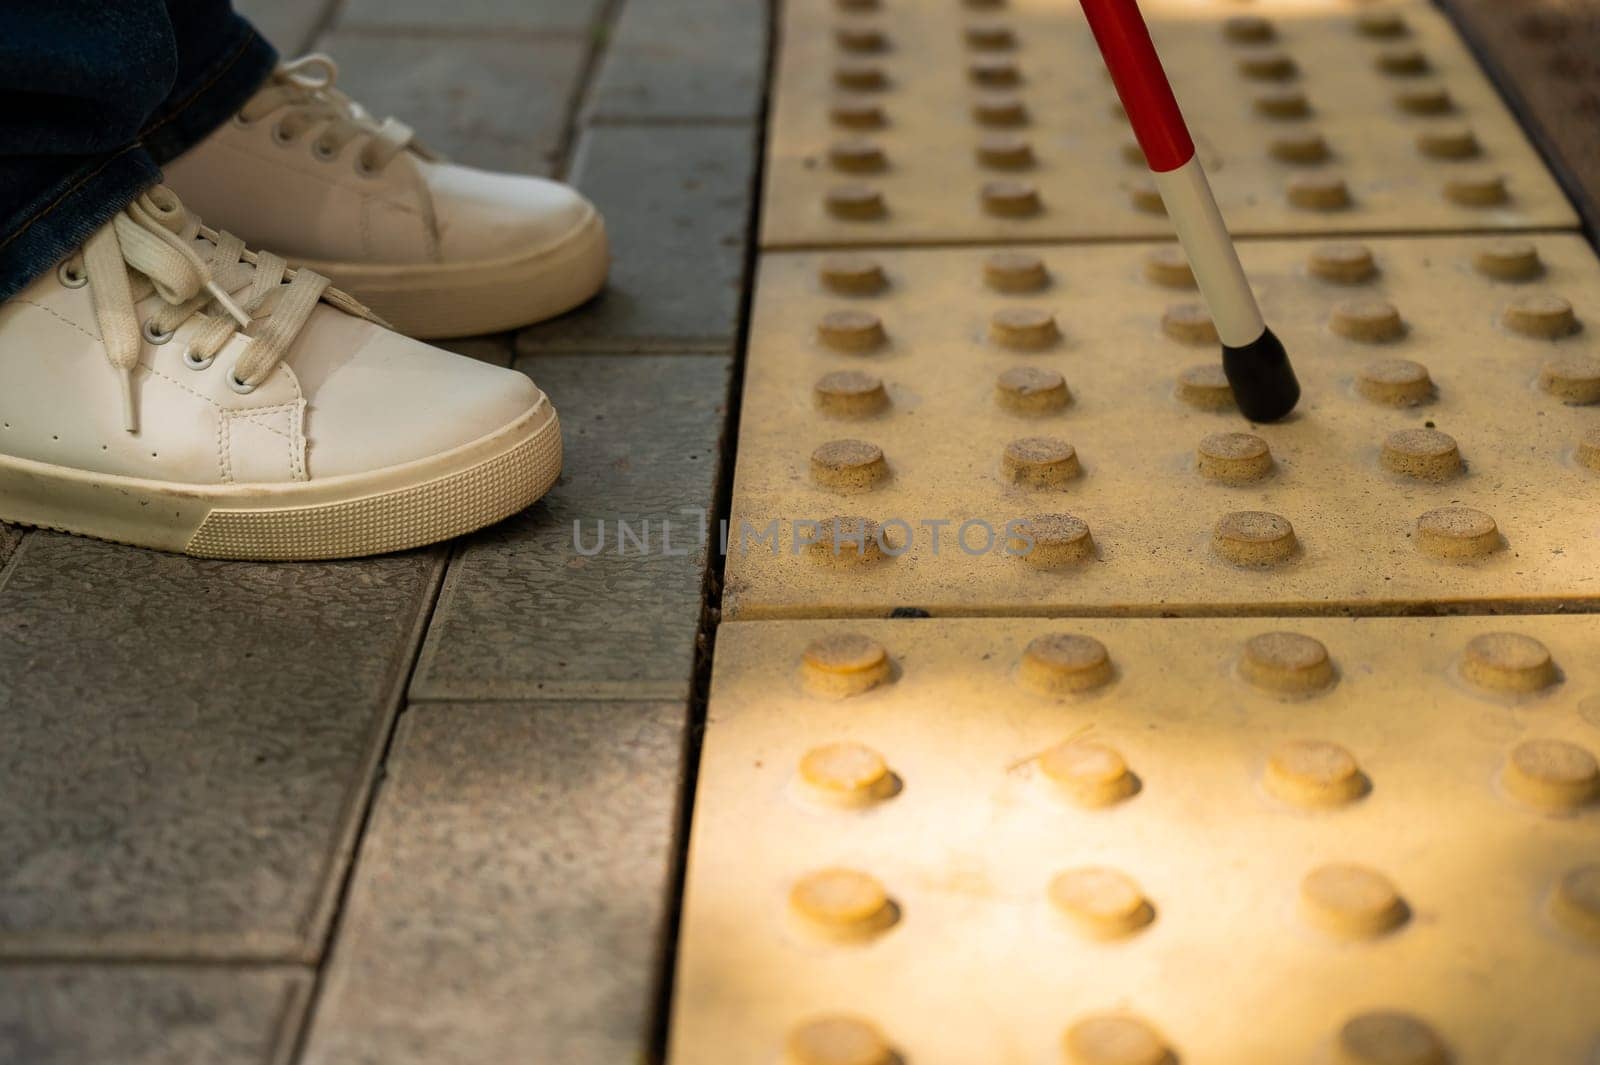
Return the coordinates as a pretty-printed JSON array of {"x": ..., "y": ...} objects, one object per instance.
[
  {"x": 683, "y": 59},
  {"x": 186, "y": 747},
  {"x": 511, "y": 899},
  {"x": 288, "y": 24},
  {"x": 533, "y": 16},
  {"x": 501, "y": 103},
  {"x": 524, "y": 614},
  {"x": 677, "y": 203},
  {"x": 10, "y": 537},
  {"x": 149, "y": 1015}
]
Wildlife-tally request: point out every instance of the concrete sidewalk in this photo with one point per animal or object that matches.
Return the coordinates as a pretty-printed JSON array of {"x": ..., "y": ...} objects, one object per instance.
[{"x": 423, "y": 808}]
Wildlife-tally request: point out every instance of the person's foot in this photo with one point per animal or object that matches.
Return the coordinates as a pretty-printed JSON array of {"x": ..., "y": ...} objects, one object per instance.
[
  {"x": 135, "y": 406},
  {"x": 436, "y": 249}
]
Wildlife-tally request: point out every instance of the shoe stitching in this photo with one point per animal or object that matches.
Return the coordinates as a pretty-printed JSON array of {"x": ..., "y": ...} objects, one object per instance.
[{"x": 58, "y": 316}]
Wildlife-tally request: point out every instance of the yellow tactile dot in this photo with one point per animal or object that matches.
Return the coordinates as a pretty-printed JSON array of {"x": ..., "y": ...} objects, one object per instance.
[
  {"x": 1313, "y": 773},
  {"x": 849, "y": 465},
  {"x": 1588, "y": 449},
  {"x": 837, "y": 1039},
  {"x": 1424, "y": 100},
  {"x": 850, "y": 393},
  {"x": 1060, "y": 662},
  {"x": 1289, "y": 663},
  {"x": 1476, "y": 190},
  {"x": 1511, "y": 259},
  {"x": 860, "y": 76},
  {"x": 1114, "y": 1039},
  {"x": 997, "y": 109},
  {"x": 1388, "y": 1037},
  {"x": 857, "y": 156},
  {"x": 1189, "y": 323},
  {"x": 1205, "y": 387},
  {"x": 1267, "y": 66},
  {"x": 1381, "y": 24},
  {"x": 860, "y": 38},
  {"x": 1051, "y": 540},
  {"x": 1405, "y": 62},
  {"x": 1451, "y": 143},
  {"x": 1015, "y": 271},
  {"x": 1233, "y": 458},
  {"x": 1144, "y": 195},
  {"x": 856, "y": 5},
  {"x": 857, "y": 202},
  {"x": 1395, "y": 382},
  {"x": 1253, "y": 538},
  {"x": 1116, "y": 110},
  {"x": 1574, "y": 381},
  {"x": 1552, "y": 774},
  {"x": 1005, "y": 151},
  {"x": 994, "y": 72},
  {"x": 1371, "y": 320},
  {"x": 1426, "y": 454},
  {"x": 1347, "y": 263},
  {"x": 1307, "y": 147},
  {"x": 1248, "y": 29},
  {"x": 846, "y": 539},
  {"x": 1575, "y": 903},
  {"x": 851, "y": 330},
  {"x": 845, "y": 774},
  {"x": 1090, "y": 774},
  {"x": 1318, "y": 193},
  {"x": 1167, "y": 265},
  {"x": 990, "y": 36},
  {"x": 1282, "y": 103},
  {"x": 1351, "y": 900},
  {"x": 1508, "y": 662},
  {"x": 1103, "y": 903},
  {"x": 1010, "y": 199},
  {"x": 1540, "y": 315},
  {"x": 1457, "y": 532},
  {"x": 1032, "y": 390},
  {"x": 1024, "y": 328},
  {"x": 845, "y": 663},
  {"x": 853, "y": 275},
  {"x": 842, "y": 903},
  {"x": 1040, "y": 462},
  {"x": 1131, "y": 153},
  {"x": 857, "y": 114}
]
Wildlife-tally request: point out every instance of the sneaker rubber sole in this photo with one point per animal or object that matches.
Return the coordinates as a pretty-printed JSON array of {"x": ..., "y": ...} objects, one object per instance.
[
  {"x": 391, "y": 509},
  {"x": 433, "y": 300}
]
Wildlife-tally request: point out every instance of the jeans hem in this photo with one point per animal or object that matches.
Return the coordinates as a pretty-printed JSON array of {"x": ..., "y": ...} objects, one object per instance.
[
  {"x": 70, "y": 212},
  {"x": 239, "y": 71}
]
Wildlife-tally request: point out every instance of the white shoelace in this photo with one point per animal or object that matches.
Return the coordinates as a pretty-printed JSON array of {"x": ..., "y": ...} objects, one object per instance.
[
  {"x": 304, "y": 90},
  {"x": 154, "y": 245}
]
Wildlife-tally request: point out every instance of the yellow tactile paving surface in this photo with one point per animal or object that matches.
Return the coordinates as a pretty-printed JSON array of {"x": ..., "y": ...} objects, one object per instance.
[
  {"x": 941, "y": 398},
  {"x": 1373, "y": 840},
  {"x": 892, "y": 118}
]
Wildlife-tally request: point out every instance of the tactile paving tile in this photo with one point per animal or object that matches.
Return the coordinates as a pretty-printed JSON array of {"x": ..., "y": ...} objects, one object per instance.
[
  {"x": 1549, "y": 54},
  {"x": 1371, "y": 841},
  {"x": 889, "y": 406},
  {"x": 891, "y": 119}
]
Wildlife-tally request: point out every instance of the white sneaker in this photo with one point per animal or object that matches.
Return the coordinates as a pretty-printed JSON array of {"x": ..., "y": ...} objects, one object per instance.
[
  {"x": 436, "y": 249},
  {"x": 166, "y": 388}
]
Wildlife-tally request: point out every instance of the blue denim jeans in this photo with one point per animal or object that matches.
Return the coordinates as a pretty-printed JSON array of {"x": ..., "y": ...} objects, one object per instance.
[{"x": 94, "y": 96}]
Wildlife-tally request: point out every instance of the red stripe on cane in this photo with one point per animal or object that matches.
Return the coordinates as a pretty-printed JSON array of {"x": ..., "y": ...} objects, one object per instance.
[{"x": 1136, "y": 71}]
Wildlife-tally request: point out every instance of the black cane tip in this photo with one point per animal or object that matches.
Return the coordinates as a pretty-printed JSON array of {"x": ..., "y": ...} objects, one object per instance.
[{"x": 1262, "y": 380}]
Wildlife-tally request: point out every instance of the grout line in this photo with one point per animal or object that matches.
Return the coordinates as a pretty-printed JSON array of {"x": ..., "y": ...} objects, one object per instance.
[
  {"x": 341, "y": 894},
  {"x": 323, "y": 25},
  {"x": 716, "y": 561},
  {"x": 600, "y": 34}
]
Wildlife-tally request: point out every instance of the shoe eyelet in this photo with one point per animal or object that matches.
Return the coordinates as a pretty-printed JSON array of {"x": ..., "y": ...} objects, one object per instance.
[
  {"x": 363, "y": 168},
  {"x": 281, "y": 137},
  {"x": 244, "y": 388},
  {"x": 194, "y": 362},
  {"x": 242, "y": 122},
  {"x": 154, "y": 337},
  {"x": 323, "y": 153},
  {"x": 69, "y": 279}
]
